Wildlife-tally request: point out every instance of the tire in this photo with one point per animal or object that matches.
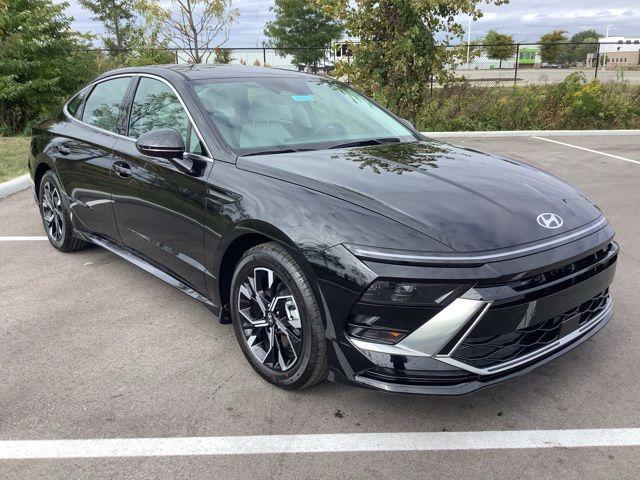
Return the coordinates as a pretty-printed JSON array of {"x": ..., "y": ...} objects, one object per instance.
[
  {"x": 56, "y": 218},
  {"x": 290, "y": 357}
]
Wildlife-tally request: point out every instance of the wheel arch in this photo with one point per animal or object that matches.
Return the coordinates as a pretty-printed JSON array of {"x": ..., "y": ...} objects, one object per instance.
[
  {"x": 242, "y": 238},
  {"x": 40, "y": 170}
]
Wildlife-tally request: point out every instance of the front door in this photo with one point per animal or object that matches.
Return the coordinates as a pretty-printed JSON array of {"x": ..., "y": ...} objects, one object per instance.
[{"x": 159, "y": 208}]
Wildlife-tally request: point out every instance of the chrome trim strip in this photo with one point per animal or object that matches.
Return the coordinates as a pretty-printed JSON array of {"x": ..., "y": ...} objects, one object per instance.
[
  {"x": 533, "y": 355},
  {"x": 124, "y": 137},
  {"x": 432, "y": 336},
  {"x": 381, "y": 255},
  {"x": 473, "y": 325}
]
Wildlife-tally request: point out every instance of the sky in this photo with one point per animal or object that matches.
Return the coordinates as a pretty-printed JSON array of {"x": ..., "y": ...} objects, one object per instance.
[{"x": 526, "y": 20}]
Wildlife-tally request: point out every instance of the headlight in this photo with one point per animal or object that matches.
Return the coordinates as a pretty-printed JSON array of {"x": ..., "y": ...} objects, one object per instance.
[{"x": 410, "y": 293}]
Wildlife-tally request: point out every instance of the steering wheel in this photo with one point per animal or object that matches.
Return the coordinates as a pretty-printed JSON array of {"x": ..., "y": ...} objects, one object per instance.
[{"x": 330, "y": 130}]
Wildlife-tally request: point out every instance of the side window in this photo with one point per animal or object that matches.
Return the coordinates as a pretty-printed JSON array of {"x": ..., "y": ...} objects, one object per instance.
[
  {"x": 194, "y": 145},
  {"x": 75, "y": 102},
  {"x": 156, "y": 106},
  {"x": 103, "y": 105}
]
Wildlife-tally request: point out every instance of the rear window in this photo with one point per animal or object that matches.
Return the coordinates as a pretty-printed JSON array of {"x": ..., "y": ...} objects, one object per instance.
[{"x": 103, "y": 105}]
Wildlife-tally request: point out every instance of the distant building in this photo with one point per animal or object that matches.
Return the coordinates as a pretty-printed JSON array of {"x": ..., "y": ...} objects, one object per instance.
[
  {"x": 619, "y": 44},
  {"x": 529, "y": 57},
  {"x": 623, "y": 59},
  {"x": 617, "y": 52}
]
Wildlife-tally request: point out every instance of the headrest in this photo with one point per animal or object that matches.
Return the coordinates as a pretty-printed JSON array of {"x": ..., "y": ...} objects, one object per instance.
[{"x": 262, "y": 109}]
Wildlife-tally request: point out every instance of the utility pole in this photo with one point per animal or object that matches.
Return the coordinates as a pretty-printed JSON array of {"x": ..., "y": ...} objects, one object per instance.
[
  {"x": 469, "y": 44},
  {"x": 604, "y": 60}
]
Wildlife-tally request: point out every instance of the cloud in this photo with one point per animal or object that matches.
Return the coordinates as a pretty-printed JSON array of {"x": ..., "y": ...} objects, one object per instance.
[{"x": 525, "y": 19}]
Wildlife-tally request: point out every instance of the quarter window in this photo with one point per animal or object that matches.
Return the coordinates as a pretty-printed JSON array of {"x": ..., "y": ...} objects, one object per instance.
[
  {"x": 103, "y": 105},
  {"x": 74, "y": 104}
]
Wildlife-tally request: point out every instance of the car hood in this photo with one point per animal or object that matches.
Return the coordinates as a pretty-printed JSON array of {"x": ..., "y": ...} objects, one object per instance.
[{"x": 467, "y": 200}]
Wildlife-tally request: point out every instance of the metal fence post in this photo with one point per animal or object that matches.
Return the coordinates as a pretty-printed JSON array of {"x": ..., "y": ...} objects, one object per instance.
[
  {"x": 264, "y": 57},
  {"x": 515, "y": 75},
  {"x": 431, "y": 87},
  {"x": 597, "y": 60}
]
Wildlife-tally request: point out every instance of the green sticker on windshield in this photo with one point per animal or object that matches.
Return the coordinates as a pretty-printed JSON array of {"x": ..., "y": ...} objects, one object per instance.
[{"x": 302, "y": 98}]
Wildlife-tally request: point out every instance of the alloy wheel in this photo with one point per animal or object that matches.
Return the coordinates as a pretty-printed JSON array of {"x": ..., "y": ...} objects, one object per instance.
[
  {"x": 52, "y": 211},
  {"x": 270, "y": 319}
]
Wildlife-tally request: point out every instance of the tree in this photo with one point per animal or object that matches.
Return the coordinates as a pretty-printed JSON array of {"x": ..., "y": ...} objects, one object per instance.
[
  {"x": 132, "y": 32},
  {"x": 199, "y": 26},
  {"x": 118, "y": 18},
  {"x": 299, "y": 25},
  {"x": 41, "y": 61},
  {"x": 402, "y": 44},
  {"x": 499, "y": 46},
  {"x": 223, "y": 55},
  {"x": 580, "y": 45},
  {"x": 551, "y": 46}
]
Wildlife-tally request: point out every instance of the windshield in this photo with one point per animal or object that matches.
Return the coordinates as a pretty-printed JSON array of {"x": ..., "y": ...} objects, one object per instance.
[{"x": 264, "y": 115}]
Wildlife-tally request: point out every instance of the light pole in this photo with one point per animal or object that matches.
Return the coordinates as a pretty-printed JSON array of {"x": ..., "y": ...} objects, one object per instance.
[
  {"x": 604, "y": 60},
  {"x": 469, "y": 44}
]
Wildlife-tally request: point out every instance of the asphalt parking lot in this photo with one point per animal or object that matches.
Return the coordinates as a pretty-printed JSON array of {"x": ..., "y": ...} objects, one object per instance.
[{"x": 92, "y": 347}]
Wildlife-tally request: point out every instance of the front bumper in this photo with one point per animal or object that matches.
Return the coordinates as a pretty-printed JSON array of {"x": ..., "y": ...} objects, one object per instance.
[
  {"x": 462, "y": 385},
  {"x": 493, "y": 330}
]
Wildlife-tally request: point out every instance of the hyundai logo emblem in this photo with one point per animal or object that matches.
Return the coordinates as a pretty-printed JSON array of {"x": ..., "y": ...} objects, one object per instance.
[{"x": 550, "y": 220}]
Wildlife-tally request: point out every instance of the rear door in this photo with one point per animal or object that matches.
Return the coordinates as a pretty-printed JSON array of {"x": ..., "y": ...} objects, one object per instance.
[
  {"x": 159, "y": 208},
  {"x": 83, "y": 154}
]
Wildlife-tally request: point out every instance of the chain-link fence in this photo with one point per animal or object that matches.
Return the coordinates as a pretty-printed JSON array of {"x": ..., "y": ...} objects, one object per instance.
[
  {"x": 534, "y": 63},
  {"x": 311, "y": 59},
  {"x": 477, "y": 64}
]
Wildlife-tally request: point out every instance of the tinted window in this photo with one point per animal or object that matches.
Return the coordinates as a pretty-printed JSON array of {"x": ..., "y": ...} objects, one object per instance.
[
  {"x": 194, "y": 145},
  {"x": 75, "y": 102},
  {"x": 103, "y": 105},
  {"x": 156, "y": 106}
]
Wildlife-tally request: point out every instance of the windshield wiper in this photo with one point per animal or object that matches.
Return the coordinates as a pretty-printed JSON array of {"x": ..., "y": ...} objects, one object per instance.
[
  {"x": 368, "y": 142},
  {"x": 274, "y": 152}
]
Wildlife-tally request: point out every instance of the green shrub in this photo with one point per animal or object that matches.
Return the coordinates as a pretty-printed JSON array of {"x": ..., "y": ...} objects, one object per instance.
[{"x": 571, "y": 104}]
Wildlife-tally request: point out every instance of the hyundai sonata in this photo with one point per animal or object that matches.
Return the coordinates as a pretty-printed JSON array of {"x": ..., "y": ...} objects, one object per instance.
[{"x": 339, "y": 241}]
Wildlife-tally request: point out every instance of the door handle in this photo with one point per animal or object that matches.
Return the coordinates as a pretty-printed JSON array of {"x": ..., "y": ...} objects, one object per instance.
[
  {"x": 122, "y": 169},
  {"x": 62, "y": 149}
]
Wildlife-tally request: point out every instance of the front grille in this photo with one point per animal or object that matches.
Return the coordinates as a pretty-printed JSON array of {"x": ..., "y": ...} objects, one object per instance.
[
  {"x": 566, "y": 276},
  {"x": 487, "y": 351},
  {"x": 560, "y": 273}
]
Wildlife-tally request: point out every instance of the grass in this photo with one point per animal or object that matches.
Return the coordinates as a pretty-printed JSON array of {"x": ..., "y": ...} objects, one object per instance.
[{"x": 14, "y": 153}]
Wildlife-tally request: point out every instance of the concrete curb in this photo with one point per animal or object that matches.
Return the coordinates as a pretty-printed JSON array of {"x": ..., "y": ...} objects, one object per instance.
[
  {"x": 533, "y": 133},
  {"x": 12, "y": 186}
]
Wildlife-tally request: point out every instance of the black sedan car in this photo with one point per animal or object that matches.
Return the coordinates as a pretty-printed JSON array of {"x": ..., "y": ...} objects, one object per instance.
[{"x": 339, "y": 241}]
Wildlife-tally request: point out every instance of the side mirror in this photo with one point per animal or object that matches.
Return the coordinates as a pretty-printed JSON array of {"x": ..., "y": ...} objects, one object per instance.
[
  {"x": 163, "y": 142},
  {"x": 407, "y": 123}
]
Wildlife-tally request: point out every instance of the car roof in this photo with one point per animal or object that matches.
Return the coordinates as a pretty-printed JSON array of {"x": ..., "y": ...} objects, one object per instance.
[{"x": 207, "y": 71}]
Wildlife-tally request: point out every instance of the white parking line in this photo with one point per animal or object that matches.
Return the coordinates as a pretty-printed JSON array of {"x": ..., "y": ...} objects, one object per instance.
[
  {"x": 22, "y": 239},
  {"x": 589, "y": 150},
  {"x": 343, "y": 442}
]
